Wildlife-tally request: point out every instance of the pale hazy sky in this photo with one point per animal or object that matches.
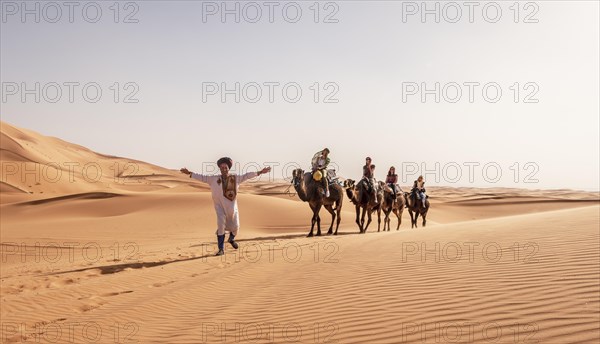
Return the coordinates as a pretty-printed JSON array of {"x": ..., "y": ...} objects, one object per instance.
[{"x": 372, "y": 56}]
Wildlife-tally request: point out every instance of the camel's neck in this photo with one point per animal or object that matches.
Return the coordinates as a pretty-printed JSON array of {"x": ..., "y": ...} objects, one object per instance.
[
  {"x": 351, "y": 195},
  {"x": 301, "y": 190}
]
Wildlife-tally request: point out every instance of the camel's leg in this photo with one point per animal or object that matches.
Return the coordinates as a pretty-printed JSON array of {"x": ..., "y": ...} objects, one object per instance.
[
  {"x": 416, "y": 218},
  {"x": 330, "y": 210},
  {"x": 338, "y": 209},
  {"x": 362, "y": 219},
  {"x": 388, "y": 217},
  {"x": 358, "y": 218},
  {"x": 318, "y": 220},
  {"x": 313, "y": 221},
  {"x": 412, "y": 221},
  {"x": 368, "y": 218},
  {"x": 424, "y": 215},
  {"x": 378, "y": 218},
  {"x": 399, "y": 214}
]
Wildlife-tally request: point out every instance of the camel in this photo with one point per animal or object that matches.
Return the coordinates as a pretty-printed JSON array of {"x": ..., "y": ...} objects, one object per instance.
[
  {"x": 391, "y": 204},
  {"x": 414, "y": 205},
  {"x": 361, "y": 198},
  {"x": 312, "y": 192}
]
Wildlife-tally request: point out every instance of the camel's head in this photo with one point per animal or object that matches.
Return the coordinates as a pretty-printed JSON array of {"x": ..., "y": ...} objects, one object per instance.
[
  {"x": 297, "y": 176},
  {"x": 349, "y": 184},
  {"x": 381, "y": 191},
  {"x": 386, "y": 188}
]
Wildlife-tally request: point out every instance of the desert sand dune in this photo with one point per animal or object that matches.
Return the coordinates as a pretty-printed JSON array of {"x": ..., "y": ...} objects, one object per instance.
[
  {"x": 64, "y": 168},
  {"x": 135, "y": 262},
  {"x": 536, "y": 274}
]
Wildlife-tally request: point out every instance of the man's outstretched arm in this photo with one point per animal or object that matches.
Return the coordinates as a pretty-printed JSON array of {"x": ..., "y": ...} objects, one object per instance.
[
  {"x": 200, "y": 177},
  {"x": 251, "y": 175}
]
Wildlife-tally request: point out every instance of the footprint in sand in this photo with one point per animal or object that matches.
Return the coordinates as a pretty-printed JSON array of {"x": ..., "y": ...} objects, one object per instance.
[
  {"x": 117, "y": 293},
  {"x": 224, "y": 265},
  {"x": 94, "y": 273},
  {"x": 160, "y": 284},
  {"x": 13, "y": 290},
  {"x": 89, "y": 307},
  {"x": 60, "y": 283}
]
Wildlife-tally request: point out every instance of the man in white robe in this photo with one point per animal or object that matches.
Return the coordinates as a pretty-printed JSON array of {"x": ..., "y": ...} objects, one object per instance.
[{"x": 224, "y": 190}]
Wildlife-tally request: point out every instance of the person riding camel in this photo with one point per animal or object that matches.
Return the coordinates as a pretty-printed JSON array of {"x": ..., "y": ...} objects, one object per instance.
[
  {"x": 319, "y": 162},
  {"x": 392, "y": 181},
  {"x": 368, "y": 175},
  {"x": 418, "y": 190}
]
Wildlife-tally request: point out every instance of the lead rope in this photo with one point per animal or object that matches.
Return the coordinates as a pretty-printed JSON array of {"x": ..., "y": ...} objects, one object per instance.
[{"x": 287, "y": 190}]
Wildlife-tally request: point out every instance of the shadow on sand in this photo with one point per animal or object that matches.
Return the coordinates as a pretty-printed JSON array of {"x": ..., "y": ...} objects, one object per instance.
[{"x": 115, "y": 268}]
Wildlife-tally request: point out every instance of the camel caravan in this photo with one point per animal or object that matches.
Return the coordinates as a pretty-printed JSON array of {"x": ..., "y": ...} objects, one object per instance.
[{"x": 322, "y": 188}]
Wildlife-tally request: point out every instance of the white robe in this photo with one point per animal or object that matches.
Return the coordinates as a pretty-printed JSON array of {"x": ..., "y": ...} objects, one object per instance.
[{"x": 228, "y": 218}]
